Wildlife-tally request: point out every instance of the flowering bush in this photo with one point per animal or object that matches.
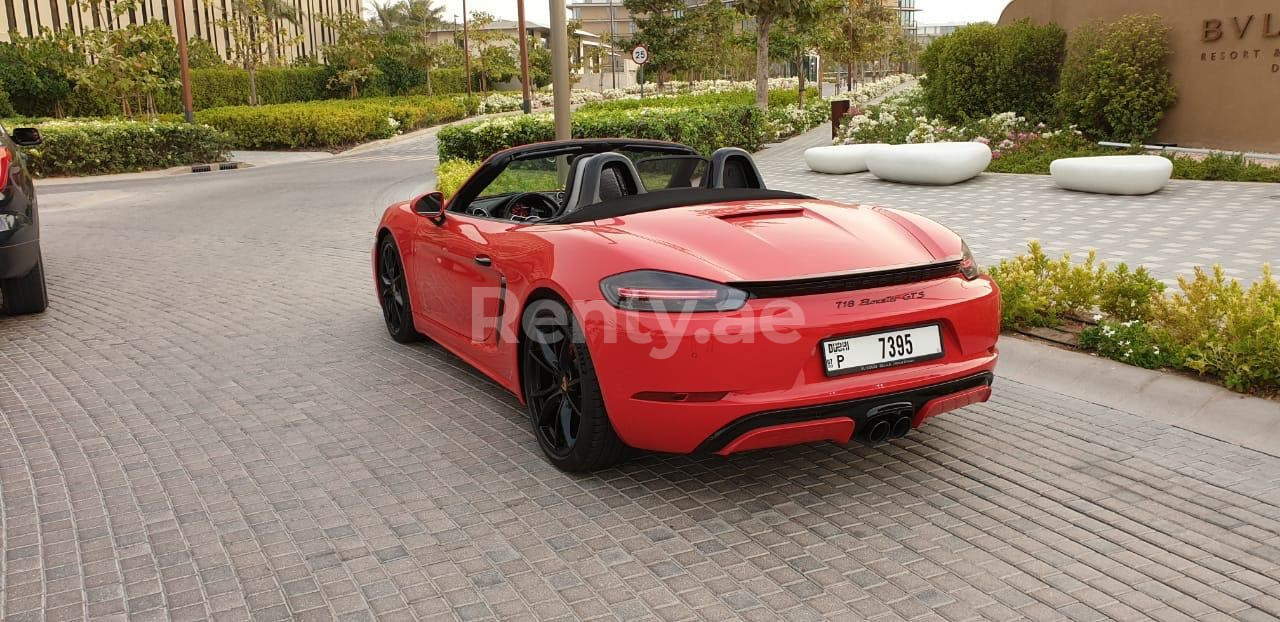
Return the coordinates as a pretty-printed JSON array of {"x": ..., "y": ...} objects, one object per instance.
[
  {"x": 864, "y": 92},
  {"x": 498, "y": 102},
  {"x": 1133, "y": 342}
]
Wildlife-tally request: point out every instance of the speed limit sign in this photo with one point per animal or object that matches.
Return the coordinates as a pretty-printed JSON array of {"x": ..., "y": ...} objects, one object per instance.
[{"x": 640, "y": 54}]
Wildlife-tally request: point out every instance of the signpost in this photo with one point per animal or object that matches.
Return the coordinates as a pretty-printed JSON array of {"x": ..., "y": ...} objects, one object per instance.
[{"x": 640, "y": 56}]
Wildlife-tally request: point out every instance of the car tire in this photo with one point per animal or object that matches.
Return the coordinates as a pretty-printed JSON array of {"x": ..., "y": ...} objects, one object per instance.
[
  {"x": 393, "y": 293},
  {"x": 589, "y": 443},
  {"x": 25, "y": 294}
]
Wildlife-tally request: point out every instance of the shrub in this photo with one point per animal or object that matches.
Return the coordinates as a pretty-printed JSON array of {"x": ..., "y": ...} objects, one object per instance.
[
  {"x": 1128, "y": 296},
  {"x": 451, "y": 174},
  {"x": 1115, "y": 83},
  {"x": 6, "y": 107},
  {"x": 1226, "y": 330},
  {"x": 330, "y": 124},
  {"x": 703, "y": 128},
  {"x": 983, "y": 69},
  {"x": 1133, "y": 342},
  {"x": 98, "y": 147},
  {"x": 1223, "y": 167},
  {"x": 1038, "y": 291}
]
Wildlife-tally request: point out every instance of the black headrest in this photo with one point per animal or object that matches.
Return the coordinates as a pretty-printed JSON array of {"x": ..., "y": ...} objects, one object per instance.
[
  {"x": 575, "y": 165},
  {"x": 733, "y": 168},
  {"x": 600, "y": 177}
]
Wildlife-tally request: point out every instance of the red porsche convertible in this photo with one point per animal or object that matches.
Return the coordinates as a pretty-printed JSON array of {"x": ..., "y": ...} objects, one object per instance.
[{"x": 634, "y": 294}]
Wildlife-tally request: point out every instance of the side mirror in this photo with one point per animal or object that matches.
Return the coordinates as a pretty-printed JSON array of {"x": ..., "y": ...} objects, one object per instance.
[
  {"x": 430, "y": 205},
  {"x": 26, "y": 136}
]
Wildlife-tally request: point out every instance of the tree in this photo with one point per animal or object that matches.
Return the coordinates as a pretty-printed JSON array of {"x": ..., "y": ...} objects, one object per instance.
[
  {"x": 411, "y": 15},
  {"x": 352, "y": 55},
  {"x": 134, "y": 64},
  {"x": 710, "y": 39},
  {"x": 275, "y": 13},
  {"x": 202, "y": 55},
  {"x": 660, "y": 29},
  {"x": 539, "y": 64},
  {"x": 427, "y": 56},
  {"x": 861, "y": 33},
  {"x": 39, "y": 72},
  {"x": 242, "y": 23},
  {"x": 491, "y": 48},
  {"x": 767, "y": 13}
]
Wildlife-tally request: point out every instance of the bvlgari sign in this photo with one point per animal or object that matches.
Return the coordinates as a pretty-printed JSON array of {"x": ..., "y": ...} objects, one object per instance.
[
  {"x": 1225, "y": 64},
  {"x": 1239, "y": 28}
]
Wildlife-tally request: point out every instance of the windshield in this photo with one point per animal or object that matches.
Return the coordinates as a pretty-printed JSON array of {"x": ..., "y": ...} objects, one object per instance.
[{"x": 658, "y": 170}]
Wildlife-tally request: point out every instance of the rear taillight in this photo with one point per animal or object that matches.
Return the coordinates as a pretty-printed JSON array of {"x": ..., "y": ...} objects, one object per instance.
[
  {"x": 6, "y": 158},
  {"x": 968, "y": 265}
]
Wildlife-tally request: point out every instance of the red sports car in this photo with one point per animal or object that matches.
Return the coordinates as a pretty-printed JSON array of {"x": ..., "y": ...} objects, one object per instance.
[{"x": 634, "y": 294}]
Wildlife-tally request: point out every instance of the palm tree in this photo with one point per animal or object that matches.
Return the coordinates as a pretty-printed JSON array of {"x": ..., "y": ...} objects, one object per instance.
[
  {"x": 418, "y": 15},
  {"x": 277, "y": 11},
  {"x": 388, "y": 16}
]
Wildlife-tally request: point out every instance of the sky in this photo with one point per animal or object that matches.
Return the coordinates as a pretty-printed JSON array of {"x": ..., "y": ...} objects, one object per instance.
[{"x": 932, "y": 11}]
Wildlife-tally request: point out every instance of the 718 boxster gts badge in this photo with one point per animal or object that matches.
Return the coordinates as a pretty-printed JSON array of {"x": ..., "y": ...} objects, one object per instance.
[{"x": 635, "y": 294}]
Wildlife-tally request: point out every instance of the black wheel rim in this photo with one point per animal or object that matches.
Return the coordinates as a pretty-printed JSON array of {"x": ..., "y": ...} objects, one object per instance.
[
  {"x": 553, "y": 378},
  {"x": 391, "y": 289}
]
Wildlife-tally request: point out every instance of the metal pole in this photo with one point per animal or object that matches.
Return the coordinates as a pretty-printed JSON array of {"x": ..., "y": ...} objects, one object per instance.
[
  {"x": 560, "y": 68},
  {"x": 466, "y": 48},
  {"x": 524, "y": 59},
  {"x": 185, "y": 68},
  {"x": 613, "y": 36}
]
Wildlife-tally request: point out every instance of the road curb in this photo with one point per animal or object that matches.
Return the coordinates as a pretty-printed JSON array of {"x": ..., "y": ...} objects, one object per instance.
[{"x": 1186, "y": 403}]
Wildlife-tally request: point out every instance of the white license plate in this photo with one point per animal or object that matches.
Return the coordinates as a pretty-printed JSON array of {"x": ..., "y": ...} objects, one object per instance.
[{"x": 896, "y": 347}]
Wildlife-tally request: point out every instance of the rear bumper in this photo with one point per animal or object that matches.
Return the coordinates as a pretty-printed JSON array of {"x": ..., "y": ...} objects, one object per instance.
[
  {"x": 706, "y": 384},
  {"x": 837, "y": 422}
]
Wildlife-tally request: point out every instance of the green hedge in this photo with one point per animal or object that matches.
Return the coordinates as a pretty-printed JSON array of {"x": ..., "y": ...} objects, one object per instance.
[
  {"x": 778, "y": 98},
  {"x": 982, "y": 69},
  {"x": 212, "y": 88},
  {"x": 703, "y": 128},
  {"x": 100, "y": 147},
  {"x": 330, "y": 124}
]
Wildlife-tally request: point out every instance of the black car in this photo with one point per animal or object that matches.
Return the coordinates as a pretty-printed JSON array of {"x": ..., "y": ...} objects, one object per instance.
[{"x": 21, "y": 268}]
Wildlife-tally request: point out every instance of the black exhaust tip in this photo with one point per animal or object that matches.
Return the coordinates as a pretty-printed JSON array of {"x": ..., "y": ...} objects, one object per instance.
[
  {"x": 901, "y": 426},
  {"x": 879, "y": 431}
]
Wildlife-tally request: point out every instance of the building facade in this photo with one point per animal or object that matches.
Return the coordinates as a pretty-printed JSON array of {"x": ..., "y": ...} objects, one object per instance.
[
  {"x": 1225, "y": 64},
  {"x": 27, "y": 18}
]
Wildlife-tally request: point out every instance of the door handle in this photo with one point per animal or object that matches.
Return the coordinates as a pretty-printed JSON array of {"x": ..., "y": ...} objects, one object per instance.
[{"x": 484, "y": 260}]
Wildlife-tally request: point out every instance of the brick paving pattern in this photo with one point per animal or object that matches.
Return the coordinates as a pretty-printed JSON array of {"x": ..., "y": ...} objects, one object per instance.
[
  {"x": 1188, "y": 224},
  {"x": 210, "y": 422}
]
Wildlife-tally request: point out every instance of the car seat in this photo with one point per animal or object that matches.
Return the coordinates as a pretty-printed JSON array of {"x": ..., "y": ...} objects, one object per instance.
[{"x": 600, "y": 177}]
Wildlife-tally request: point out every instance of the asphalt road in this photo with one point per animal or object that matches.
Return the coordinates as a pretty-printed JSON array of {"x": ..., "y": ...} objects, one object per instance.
[{"x": 210, "y": 421}]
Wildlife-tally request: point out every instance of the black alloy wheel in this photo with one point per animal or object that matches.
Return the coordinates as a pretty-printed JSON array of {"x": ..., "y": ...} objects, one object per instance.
[
  {"x": 553, "y": 387},
  {"x": 393, "y": 294},
  {"x": 563, "y": 394}
]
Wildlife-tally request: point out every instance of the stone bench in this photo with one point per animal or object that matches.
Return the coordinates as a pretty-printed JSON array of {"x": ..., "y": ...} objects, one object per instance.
[
  {"x": 933, "y": 164},
  {"x": 839, "y": 159},
  {"x": 1120, "y": 174}
]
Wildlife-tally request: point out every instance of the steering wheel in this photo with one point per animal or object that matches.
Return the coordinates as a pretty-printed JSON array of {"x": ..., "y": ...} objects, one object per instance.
[{"x": 529, "y": 206}]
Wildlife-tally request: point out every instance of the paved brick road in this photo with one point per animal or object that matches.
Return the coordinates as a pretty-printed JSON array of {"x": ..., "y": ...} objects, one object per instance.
[
  {"x": 1187, "y": 224},
  {"x": 211, "y": 422}
]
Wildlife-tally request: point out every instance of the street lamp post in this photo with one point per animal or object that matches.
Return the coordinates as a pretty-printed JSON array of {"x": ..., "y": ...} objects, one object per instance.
[
  {"x": 613, "y": 36},
  {"x": 183, "y": 64},
  {"x": 560, "y": 67},
  {"x": 466, "y": 49},
  {"x": 524, "y": 59}
]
